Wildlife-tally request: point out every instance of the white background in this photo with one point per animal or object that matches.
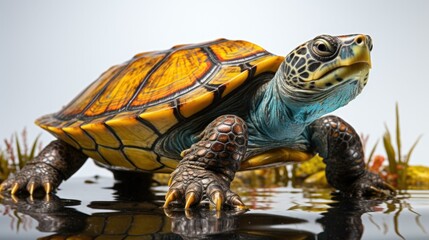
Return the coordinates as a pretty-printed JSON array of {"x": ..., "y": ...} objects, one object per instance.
[{"x": 51, "y": 50}]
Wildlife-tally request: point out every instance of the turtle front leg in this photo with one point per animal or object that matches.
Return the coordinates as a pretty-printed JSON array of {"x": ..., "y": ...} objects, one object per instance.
[
  {"x": 341, "y": 148},
  {"x": 55, "y": 163},
  {"x": 209, "y": 166}
]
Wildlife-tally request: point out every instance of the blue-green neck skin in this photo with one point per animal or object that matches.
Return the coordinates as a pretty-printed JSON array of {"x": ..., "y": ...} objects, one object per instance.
[
  {"x": 280, "y": 113},
  {"x": 271, "y": 117}
]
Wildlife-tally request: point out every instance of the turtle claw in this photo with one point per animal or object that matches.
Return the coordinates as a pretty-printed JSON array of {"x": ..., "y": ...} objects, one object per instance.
[
  {"x": 14, "y": 198},
  {"x": 217, "y": 198},
  {"x": 390, "y": 188},
  {"x": 48, "y": 187},
  {"x": 191, "y": 199},
  {"x": 370, "y": 184},
  {"x": 15, "y": 188},
  {"x": 201, "y": 183},
  {"x": 30, "y": 187},
  {"x": 383, "y": 189},
  {"x": 171, "y": 196},
  {"x": 236, "y": 202},
  {"x": 378, "y": 191}
]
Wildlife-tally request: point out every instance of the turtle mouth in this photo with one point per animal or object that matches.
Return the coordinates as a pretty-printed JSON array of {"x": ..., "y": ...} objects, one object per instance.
[{"x": 335, "y": 76}]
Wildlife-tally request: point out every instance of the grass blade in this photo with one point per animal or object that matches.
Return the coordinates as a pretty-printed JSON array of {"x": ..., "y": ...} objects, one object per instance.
[
  {"x": 33, "y": 148},
  {"x": 371, "y": 154},
  {"x": 403, "y": 177},
  {"x": 390, "y": 151},
  {"x": 398, "y": 135},
  {"x": 19, "y": 152},
  {"x": 3, "y": 165},
  {"x": 411, "y": 150}
]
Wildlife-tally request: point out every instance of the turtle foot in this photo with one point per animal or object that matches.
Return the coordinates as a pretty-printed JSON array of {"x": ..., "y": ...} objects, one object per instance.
[
  {"x": 209, "y": 166},
  {"x": 190, "y": 186},
  {"x": 33, "y": 178},
  {"x": 55, "y": 163},
  {"x": 370, "y": 184}
]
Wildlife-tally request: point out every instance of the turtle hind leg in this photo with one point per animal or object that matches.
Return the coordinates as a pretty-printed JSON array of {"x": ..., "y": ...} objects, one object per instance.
[
  {"x": 209, "y": 166},
  {"x": 340, "y": 146},
  {"x": 55, "y": 163}
]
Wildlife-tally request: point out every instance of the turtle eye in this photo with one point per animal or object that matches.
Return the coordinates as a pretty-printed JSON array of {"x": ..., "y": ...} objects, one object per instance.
[{"x": 324, "y": 48}]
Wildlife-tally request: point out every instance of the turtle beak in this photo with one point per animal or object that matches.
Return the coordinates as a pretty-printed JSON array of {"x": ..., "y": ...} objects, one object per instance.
[{"x": 361, "y": 51}]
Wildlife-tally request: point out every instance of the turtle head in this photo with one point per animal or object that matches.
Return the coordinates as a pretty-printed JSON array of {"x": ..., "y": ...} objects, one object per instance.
[
  {"x": 328, "y": 66},
  {"x": 316, "y": 78}
]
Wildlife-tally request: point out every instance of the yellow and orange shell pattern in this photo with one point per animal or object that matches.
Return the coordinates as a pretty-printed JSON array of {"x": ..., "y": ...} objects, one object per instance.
[{"x": 119, "y": 117}]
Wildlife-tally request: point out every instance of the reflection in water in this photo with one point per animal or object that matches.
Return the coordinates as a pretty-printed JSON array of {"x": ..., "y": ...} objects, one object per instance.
[
  {"x": 52, "y": 213},
  {"x": 203, "y": 223},
  {"x": 132, "y": 186},
  {"x": 199, "y": 222},
  {"x": 149, "y": 220},
  {"x": 136, "y": 212},
  {"x": 343, "y": 219}
]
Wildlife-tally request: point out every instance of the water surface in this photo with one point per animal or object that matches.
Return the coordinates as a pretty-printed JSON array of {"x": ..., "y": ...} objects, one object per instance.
[{"x": 101, "y": 209}]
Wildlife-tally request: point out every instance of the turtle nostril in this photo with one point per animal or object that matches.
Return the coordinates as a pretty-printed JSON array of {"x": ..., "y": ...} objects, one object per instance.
[
  {"x": 364, "y": 40},
  {"x": 359, "y": 40}
]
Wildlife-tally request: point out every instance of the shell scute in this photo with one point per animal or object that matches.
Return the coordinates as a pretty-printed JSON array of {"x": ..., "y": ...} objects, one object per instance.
[
  {"x": 78, "y": 135},
  {"x": 184, "y": 68},
  {"x": 195, "y": 101},
  {"x": 101, "y": 134},
  {"x": 236, "y": 50},
  {"x": 161, "y": 117},
  {"x": 136, "y": 154},
  {"x": 81, "y": 102},
  {"x": 132, "y": 132},
  {"x": 115, "y": 158},
  {"x": 121, "y": 88}
]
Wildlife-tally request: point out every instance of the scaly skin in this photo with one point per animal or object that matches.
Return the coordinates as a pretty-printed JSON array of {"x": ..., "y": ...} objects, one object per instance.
[
  {"x": 341, "y": 148},
  {"x": 57, "y": 162},
  {"x": 209, "y": 166}
]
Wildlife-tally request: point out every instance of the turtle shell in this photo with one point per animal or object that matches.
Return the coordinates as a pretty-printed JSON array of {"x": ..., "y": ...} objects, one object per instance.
[{"x": 118, "y": 119}]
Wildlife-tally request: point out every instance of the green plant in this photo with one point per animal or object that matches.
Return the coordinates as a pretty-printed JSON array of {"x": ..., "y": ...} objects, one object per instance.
[
  {"x": 16, "y": 154},
  {"x": 369, "y": 160},
  {"x": 398, "y": 163}
]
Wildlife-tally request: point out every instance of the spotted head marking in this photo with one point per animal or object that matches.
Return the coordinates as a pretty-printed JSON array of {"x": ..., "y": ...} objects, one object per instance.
[{"x": 325, "y": 62}]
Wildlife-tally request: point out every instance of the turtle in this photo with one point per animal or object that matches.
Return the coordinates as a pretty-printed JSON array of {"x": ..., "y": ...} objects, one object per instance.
[{"x": 204, "y": 111}]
